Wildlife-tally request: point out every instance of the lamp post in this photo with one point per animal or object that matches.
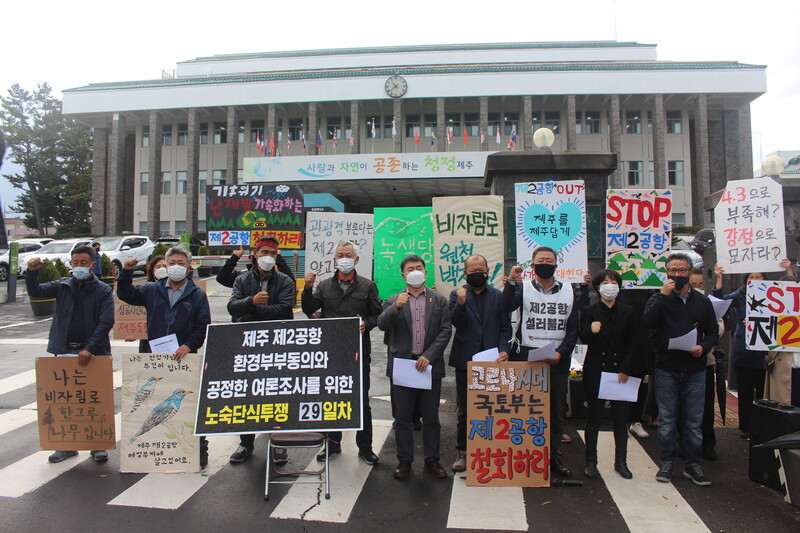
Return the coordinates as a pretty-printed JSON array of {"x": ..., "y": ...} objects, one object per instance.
[
  {"x": 543, "y": 138},
  {"x": 773, "y": 166}
]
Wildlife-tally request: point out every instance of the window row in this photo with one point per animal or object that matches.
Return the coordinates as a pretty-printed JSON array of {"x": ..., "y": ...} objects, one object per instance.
[
  {"x": 634, "y": 170},
  {"x": 217, "y": 178}
]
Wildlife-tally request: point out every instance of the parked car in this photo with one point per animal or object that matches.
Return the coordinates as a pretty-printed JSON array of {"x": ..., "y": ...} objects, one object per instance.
[
  {"x": 682, "y": 246},
  {"x": 172, "y": 240},
  {"x": 26, "y": 248},
  {"x": 61, "y": 249},
  {"x": 120, "y": 248},
  {"x": 702, "y": 240}
]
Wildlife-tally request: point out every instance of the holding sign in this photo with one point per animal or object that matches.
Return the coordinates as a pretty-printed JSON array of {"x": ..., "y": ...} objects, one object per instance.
[
  {"x": 325, "y": 230},
  {"x": 773, "y": 316}
]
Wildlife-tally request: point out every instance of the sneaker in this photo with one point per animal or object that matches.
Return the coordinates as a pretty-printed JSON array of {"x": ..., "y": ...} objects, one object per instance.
[
  {"x": 566, "y": 439},
  {"x": 695, "y": 473},
  {"x": 241, "y": 455},
  {"x": 638, "y": 430},
  {"x": 332, "y": 449},
  {"x": 460, "y": 465},
  {"x": 280, "y": 456},
  {"x": 57, "y": 457},
  {"x": 664, "y": 474},
  {"x": 100, "y": 456},
  {"x": 369, "y": 457}
]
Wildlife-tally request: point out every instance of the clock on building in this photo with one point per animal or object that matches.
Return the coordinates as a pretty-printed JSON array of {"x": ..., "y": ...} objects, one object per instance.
[{"x": 396, "y": 86}]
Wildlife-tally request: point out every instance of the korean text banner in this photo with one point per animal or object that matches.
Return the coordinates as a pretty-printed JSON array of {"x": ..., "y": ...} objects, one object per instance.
[
  {"x": 401, "y": 231},
  {"x": 295, "y": 375},
  {"x": 773, "y": 316},
  {"x": 325, "y": 230},
  {"x": 240, "y": 214},
  {"x": 639, "y": 235},
  {"x": 749, "y": 226},
  {"x": 464, "y": 226},
  {"x": 552, "y": 214},
  {"x": 75, "y": 404},
  {"x": 508, "y": 425},
  {"x": 159, "y": 402}
]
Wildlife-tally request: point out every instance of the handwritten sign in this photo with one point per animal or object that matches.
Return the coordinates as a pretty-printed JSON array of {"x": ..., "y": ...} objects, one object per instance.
[
  {"x": 159, "y": 401},
  {"x": 553, "y": 214},
  {"x": 773, "y": 316},
  {"x": 508, "y": 424},
  {"x": 325, "y": 230},
  {"x": 749, "y": 226},
  {"x": 240, "y": 214},
  {"x": 639, "y": 235},
  {"x": 130, "y": 321},
  {"x": 75, "y": 404},
  {"x": 401, "y": 231},
  {"x": 463, "y": 226}
]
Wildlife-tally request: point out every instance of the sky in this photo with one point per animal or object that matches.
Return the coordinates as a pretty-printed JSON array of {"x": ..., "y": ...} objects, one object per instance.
[{"x": 70, "y": 44}]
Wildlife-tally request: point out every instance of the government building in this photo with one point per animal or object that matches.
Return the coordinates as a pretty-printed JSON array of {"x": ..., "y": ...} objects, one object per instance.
[{"x": 158, "y": 143}]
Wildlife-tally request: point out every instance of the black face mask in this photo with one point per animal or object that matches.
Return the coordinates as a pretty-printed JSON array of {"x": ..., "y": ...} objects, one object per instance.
[
  {"x": 544, "y": 270},
  {"x": 680, "y": 281},
  {"x": 477, "y": 279}
]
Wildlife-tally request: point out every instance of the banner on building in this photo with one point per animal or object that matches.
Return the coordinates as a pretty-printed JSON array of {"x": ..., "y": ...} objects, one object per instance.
[
  {"x": 552, "y": 214},
  {"x": 639, "y": 235},
  {"x": 75, "y": 404},
  {"x": 159, "y": 402},
  {"x": 464, "y": 226},
  {"x": 749, "y": 226},
  {"x": 295, "y": 375},
  {"x": 773, "y": 316},
  {"x": 237, "y": 215},
  {"x": 401, "y": 231},
  {"x": 325, "y": 230},
  {"x": 508, "y": 424}
]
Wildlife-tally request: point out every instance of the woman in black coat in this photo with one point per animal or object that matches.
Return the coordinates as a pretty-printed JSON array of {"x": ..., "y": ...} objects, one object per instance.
[{"x": 609, "y": 330}]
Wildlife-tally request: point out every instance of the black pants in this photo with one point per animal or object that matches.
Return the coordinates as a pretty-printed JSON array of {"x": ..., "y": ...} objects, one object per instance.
[
  {"x": 558, "y": 411},
  {"x": 749, "y": 380},
  {"x": 363, "y": 437},
  {"x": 405, "y": 400},
  {"x": 461, "y": 413},
  {"x": 619, "y": 415}
]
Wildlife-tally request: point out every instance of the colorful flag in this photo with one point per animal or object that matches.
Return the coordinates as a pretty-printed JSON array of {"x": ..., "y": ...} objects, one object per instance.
[
  {"x": 259, "y": 144},
  {"x": 450, "y": 135},
  {"x": 289, "y": 141},
  {"x": 416, "y": 135},
  {"x": 272, "y": 144},
  {"x": 513, "y": 140},
  {"x": 335, "y": 140},
  {"x": 303, "y": 138},
  {"x": 319, "y": 139},
  {"x": 433, "y": 137},
  {"x": 394, "y": 129},
  {"x": 352, "y": 142},
  {"x": 499, "y": 140},
  {"x": 466, "y": 137},
  {"x": 483, "y": 136},
  {"x": 373, "y": 128}
]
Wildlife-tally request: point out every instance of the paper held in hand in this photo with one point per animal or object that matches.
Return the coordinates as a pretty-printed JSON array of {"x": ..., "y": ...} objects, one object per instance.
[
  {"x": 405, "y": 374},
  {"x": 548, "y": 351},
  {"x": 612, "y": 389},
  {"x": 490, "y": 356},
  {"x": 686, "y": 342}
]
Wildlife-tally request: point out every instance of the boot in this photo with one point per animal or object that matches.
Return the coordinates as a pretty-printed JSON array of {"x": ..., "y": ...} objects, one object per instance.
[
  {"x": 621, "y": 465},
  {"x": 590, "y": 470},
  {"x": 621, "y": 452}
]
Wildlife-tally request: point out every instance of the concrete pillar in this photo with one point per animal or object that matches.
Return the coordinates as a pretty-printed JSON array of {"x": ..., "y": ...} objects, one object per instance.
[
  {"x": 745, "y": 142},
  {"x": 232, "y": 160},
  {"x": 526, "y": 135},
  {"x": 129, "y": 179},
  {"x": 716, "y": 153},
  {"x": 115, "y": 209},
  {"x": 154, "y": 184},
  {"x": 355, "y": 127},
  {"x": 99, "y": 180},
  {"x": 397, "y": 113},
  {"x": 441, "y": 126},
  {"x": 659, "y": 137},
  {"x": 572, "y": 142},
  {"x": 270, "y": 131},
  {"x": 615, "y": 142},
  {"x": 731, "y": 133},
  {"x": 701, "y": 184},
  {"x": 192, "y": 172},
  {"x": 313, "y": 128},
  {"x": 484, "y": 122}
]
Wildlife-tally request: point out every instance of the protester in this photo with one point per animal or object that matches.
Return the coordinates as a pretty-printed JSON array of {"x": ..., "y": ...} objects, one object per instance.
[
  {"x": 97, "y": 269},
  {"x": 228, "y": 273}
]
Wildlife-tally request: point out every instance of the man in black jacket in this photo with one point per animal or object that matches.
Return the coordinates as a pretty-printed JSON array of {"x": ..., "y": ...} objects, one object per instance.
[
  {"x": 347, "y": 294},
  {"x": 228, "y": 273},
  {"x": 680, "y": 374},
  {"x": 262, "y": 293}
]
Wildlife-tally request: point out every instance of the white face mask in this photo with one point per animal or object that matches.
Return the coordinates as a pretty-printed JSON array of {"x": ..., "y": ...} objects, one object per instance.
[
  {"x": 416, "y": 278},
  {"x": 176, "y": 273},
  {"x": 609, "y": 291},
  {"x": 345, "y": 265},
  {"x": 160, "y": 273},
  {"x": 266, "y": 262}
]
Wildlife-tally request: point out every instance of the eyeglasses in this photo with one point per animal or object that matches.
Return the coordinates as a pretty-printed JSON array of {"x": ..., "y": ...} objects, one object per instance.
[{"x": 673, "y": 271}]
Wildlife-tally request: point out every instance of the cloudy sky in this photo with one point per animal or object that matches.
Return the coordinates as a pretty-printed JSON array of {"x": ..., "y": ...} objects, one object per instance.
[{"x": 70, "y": 44}]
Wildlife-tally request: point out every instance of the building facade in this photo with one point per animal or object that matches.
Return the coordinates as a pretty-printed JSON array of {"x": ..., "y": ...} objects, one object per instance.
[{"x": 158, "y": 143}]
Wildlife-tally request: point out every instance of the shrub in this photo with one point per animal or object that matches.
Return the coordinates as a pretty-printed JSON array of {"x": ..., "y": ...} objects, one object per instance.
[
  {"x": 48, "y": 272},
  {"x": 106, "y": 268},
  {"x": 61, "y": 268}
]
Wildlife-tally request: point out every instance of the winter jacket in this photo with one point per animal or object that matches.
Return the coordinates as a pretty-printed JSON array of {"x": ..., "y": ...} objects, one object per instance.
[{"x": 281, "y": 297}]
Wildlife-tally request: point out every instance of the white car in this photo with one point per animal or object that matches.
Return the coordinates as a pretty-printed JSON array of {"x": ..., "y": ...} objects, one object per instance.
[
  {"x": 681, "y": 246},
  {"x": 26, "y": 248},
  {"x": 54, "y": 250},
  {"x": 118, "y": 249}
]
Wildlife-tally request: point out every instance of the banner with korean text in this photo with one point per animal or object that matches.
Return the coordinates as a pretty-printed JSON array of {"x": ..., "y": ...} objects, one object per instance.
[
  {"x": 749, "y": 226},
  {"x": 75, "y": 404},
  {"x": 508, "y": 424},
  {"x": 552, "y": 214},
  {"x": 639, "y": 235},
  {"x": 159, "y": 402},
  {"x": 773, "y": 316},
  {"x": 294, "y": 375},
  {"x": 401, "y": 231},
  {"x": 464, "y": 226},
  {"x": 325, "y": 230}
]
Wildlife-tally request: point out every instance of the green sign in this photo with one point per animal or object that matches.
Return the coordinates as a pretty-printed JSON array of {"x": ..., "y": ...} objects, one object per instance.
[
  {"x": 401, "y": 231},
  {"x": 13, "y": 261},
  {"x": 185, "y": 240}
]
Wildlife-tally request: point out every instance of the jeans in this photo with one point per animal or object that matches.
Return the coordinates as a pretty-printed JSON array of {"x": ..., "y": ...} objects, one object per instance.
[{"x": 684, "y": 393}]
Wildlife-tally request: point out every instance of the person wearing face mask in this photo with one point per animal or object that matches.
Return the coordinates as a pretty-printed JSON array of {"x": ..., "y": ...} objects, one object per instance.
[
  {"x": 538, "y": 327},
  {"x": 480, "y": 324},
  {"x": 156, "y": 268},
  {"x": 608, "y": 328},
  {"x": 228, "y": 273},
  {"x": 83, "y": 317},
  {"x": 261, "y": 293},
  {"x": 418, "y": 320},
  {"x": 674, "y": 311},
  {"x": 346, "y": 294}
]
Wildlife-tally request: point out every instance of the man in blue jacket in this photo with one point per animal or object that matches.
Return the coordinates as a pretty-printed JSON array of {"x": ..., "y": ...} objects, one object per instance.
[
  {"x": 84, "y": 316},
  {"x": 480, "y": 324}
]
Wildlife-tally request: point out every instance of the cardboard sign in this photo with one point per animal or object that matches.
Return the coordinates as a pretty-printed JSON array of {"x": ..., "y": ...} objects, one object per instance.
[
  {"x": 326, "y": 230},
  {"x": 464, "y": 226},
  {"x": 295, "y": 375},
  {"x": 75, "y": 404},
  {"x": 130, "y": 321},
  {"x": 401, "y": 231},
  {"x": 159, "y": 401},
  {"x": 508, "y": 424},
  {"x": 639, "y": 235},
  {"x": 773, "y": 316}
]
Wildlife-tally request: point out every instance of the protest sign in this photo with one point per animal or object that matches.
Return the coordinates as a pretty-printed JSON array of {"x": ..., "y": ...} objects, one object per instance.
[
  {"x": 773, "y": 316},
  {"x": 401, "y": 231},
  {"x": 159, "y": 401},
  {"x": 508, "y": 424},
  {"x": 464, "y": 226},
  {"x": 326, "y": 230},
  {"x": 296, "y": 375},
  {"x": 552, "y": 214},
  {"x": 639, "y": 235},
  {"x": 749, "y": 226},
  {"x": 75, "y": 404}
]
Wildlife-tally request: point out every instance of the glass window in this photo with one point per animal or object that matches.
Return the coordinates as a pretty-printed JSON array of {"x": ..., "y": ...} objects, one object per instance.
[
  {"x": 163, "y": 227},
  {"x": 256, "y": 129},
  {"x": 144, "y": 177},
  {"x": 649, "y": 122},
  {"x": 348, "y": 130},
  {"x": 202, "y": 180},
  {"x": 472, "y": 122},
  {"x": 166, "y": 135},
  {"x": 552, "y": 120},
  {"x": 183, "y": 134},
  {"x": 295, "y": 128},
  {"x": 241, "y": 131},
  {"x": 674, "y": 121},
  {"x": 453, "y": 121},
  {"x": 220, "y": 132},
  {"x": 536, "y": 120},
  {"x": 180, "y": 227},
  {"x": 634, "y": 172},
  {"x": 633, "y": 122},
  {"x": 240, "y": 175},
  {"x": 578, "y": 122},
  {"x": 145, "y": 136},
  {"x": 678, "y": 219},
  {"x": 180, "y": 182},
  {"x": 428, "y": 124},
  {"x": 204, "y": 133},
  {"x": 387, "y": 126},
  {"x": 412, "y": 125},
  {"x": 651, "y": 174},
  {"x": 333, "y": 125},
  {"x": 511, "y": 123},
  {"x": 143, "y": 227},
  {"x": 217, "y": 177},
  {"x": 591, "y": 122},
  {"x": 494, "y": 124},
  {"x": 166, "y": 178},
  {"x": 201, "y": 226},
  {"x": 675, "y": 172},
  {"x": 376, "y": 122}
]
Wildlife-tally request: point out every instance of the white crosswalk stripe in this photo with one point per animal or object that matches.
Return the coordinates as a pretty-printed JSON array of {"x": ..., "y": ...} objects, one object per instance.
[
  {"x": 17, "y": 381},
  {"x": 501, "y": 508}
]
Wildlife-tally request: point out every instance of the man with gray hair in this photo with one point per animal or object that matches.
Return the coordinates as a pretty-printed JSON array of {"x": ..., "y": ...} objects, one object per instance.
[{"x": 346, "y": 294}]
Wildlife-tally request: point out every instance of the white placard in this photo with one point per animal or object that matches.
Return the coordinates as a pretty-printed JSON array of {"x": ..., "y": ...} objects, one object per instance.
[
  {"x": 165, "y": 344},
  {"x": 325, "y": 230}
]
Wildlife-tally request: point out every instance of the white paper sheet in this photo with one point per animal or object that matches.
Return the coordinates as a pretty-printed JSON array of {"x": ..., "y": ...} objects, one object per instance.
[
  {"x": 405, "y": 374},
  {"x": 165, "y": 344},
  {"x": 686, "y": 342},
  {"x": 612, "y": 389},
  {"x": 489, "y": 355},
  {"x": 67, "y": 355},
  {"x": 720, "y": 306},
  {"x": 548, "y": 351}
]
